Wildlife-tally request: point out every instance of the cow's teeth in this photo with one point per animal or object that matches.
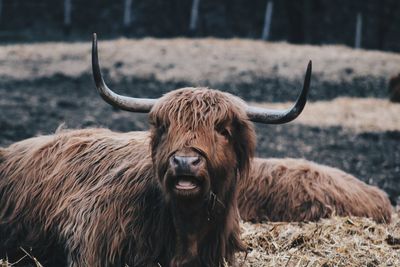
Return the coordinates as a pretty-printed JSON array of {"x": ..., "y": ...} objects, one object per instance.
[{"x": 185, "y": 185}]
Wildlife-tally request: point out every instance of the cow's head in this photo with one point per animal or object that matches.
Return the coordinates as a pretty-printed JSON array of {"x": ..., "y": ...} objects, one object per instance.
[{"x": 202, "y": 140}]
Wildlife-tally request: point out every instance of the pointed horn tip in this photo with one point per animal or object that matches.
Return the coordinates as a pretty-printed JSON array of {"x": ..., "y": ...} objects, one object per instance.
[
  {"x": 309, "y": 67},
  {"x": 94, "y": 39},
  {"x": 296, "y": 110},
  {"x": 307, "y": 78}
]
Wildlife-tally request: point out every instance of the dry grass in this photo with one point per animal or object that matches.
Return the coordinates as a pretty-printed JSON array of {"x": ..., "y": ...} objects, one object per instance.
[
  {"x": 196, "y": 60},
  {"x": 331, "y": 242},
  {"x": 357, "y": 114}
]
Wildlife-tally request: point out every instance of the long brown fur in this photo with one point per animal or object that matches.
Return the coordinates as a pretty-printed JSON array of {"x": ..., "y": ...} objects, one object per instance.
[
  {"x": 299, "y": 190},
  {"x": 98, "y": 195}
]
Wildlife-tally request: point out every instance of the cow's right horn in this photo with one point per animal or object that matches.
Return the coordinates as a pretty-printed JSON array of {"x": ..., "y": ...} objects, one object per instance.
[
  {"x": 272, "y": 116},
  {"x": 143, "y": 105}
]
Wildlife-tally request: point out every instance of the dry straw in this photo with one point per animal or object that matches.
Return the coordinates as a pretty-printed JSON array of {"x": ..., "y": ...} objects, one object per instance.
[{"x": 331, "y": 242}]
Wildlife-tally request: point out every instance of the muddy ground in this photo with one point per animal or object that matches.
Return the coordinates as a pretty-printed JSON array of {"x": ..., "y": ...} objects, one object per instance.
[{"x": 37, "y": 104}]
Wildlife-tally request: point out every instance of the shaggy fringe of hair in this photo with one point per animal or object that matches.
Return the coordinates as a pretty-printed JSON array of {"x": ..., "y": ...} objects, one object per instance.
[{"x": 194, "y": 108}]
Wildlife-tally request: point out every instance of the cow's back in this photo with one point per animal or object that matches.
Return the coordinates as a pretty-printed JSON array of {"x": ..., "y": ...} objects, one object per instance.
[{"x": 53, "y": 187}]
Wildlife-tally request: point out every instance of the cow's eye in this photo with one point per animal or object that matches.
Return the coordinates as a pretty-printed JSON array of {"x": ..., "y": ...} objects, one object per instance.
[
  {"x": 162, "y": 129},
  {"x": 224, "y": 132}
]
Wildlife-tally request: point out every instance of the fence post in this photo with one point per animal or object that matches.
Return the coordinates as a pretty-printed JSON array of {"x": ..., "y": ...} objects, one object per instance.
[
  {"x": 194, "y": 15},
  {"x": 267, "y": 21},
  {"x": 1, "y": 9},
  {"x": 358, "y": 37},
  {"x": 127, "y": 14},
  {"x": 67, "y": 16}
]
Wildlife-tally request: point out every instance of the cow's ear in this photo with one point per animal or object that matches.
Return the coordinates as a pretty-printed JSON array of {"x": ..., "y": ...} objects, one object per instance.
[{"x": 244, "y": 141}]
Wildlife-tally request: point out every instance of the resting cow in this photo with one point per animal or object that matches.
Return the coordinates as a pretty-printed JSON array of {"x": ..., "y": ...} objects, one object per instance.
[
  {"x": 299, "y": 190},
  {"x": 164, "y": 198}
]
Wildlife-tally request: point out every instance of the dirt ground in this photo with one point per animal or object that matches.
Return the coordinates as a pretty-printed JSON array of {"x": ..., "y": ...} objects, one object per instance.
[{"x": 45, "y": 85}]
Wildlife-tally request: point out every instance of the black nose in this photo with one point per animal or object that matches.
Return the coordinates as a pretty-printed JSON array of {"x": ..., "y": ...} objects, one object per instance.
[
  {"x": 183, "y": 161},
  {"x": 185, "y": 164}
]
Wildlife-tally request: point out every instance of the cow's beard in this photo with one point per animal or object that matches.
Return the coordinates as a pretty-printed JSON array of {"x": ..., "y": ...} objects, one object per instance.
[{"x": 204, "y": 217}]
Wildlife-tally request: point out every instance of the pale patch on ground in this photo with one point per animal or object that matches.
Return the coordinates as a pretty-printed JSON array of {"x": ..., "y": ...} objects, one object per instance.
[
  {"x": 337, "y": 241},
  {"x": 196, "y": 60},
  {"x": 358, "y": 114}
]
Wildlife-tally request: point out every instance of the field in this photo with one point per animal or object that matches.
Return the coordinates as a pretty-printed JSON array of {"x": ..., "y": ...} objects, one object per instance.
[{"x": 348, "y": 123}]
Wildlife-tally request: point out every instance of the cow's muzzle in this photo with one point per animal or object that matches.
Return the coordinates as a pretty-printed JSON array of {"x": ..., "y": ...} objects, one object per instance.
[{"x": 186, "y": 169}]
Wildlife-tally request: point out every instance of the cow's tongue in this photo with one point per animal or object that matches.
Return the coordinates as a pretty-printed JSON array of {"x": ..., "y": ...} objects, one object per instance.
[{"x": 185, "y": 185}]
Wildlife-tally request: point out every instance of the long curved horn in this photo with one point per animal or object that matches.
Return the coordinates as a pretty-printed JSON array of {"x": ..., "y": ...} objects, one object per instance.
[
  {"x": 123, "y": 102},
  {"x": 270, "y": 116}
]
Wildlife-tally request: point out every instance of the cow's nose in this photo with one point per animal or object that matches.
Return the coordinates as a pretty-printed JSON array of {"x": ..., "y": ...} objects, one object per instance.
[{"x": 188, "y": 165}]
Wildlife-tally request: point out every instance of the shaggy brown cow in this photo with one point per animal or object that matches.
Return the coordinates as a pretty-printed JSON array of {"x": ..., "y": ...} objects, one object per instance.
[
  {"x": 394, "y": 88},
  {"x": 300, "y": 190},
  {"x": 109, "y": 199}
]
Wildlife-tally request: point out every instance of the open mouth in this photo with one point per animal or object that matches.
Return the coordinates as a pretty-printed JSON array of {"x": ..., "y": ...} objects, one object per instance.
[{"x": 186, "y": 183}]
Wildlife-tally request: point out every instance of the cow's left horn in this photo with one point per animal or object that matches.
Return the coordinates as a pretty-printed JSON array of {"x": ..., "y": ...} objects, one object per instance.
[
  {"x": 270, "y": 116},
  {"x": 123, "y": 102}
]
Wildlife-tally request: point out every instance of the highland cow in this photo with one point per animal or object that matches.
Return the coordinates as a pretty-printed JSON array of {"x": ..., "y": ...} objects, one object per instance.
[
  {"x": 167, "y": 197},
  {"x": 300, "y": 190}
]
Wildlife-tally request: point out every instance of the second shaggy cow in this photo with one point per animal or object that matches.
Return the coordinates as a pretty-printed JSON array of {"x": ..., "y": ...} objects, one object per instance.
[{"x": 300, "y": 190}]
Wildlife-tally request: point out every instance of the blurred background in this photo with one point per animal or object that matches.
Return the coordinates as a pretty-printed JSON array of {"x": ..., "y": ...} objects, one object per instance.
[
  {"x": 301, "y": 21},
  {"x": 256, "y": 49}
]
